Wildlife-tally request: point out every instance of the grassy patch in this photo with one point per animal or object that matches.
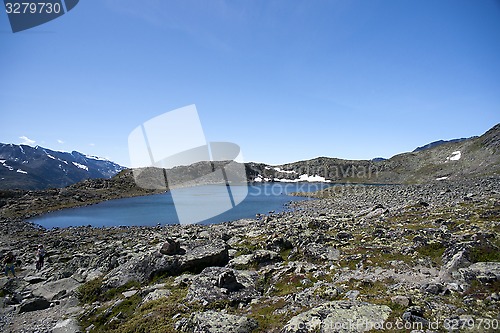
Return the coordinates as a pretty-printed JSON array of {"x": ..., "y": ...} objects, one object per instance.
[
  {"x": 432, "y": 250},
  {"x": 268, "y": 316},
  {"x": 485, "y": 252}
]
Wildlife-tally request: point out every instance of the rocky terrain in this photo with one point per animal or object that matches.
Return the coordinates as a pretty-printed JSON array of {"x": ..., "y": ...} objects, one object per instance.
[
  {"x": 23, "y": 204},
  {"x": 397, "y": 258},
  {"x": 454, "y": 160}
]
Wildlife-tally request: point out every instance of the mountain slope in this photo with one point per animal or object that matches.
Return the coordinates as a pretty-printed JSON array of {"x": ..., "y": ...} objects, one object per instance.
[
  {"x": 464, "y": 158},
  {"x": 26, "y": 167},
  {"x": 440, "y": 142}
]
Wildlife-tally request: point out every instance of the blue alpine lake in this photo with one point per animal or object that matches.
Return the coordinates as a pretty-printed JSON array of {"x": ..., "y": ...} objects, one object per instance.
[{"x": 157, "y": 209}]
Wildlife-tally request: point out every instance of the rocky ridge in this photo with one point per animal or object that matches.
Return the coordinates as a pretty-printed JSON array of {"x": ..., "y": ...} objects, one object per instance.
[{"x": 358, "y": 259}]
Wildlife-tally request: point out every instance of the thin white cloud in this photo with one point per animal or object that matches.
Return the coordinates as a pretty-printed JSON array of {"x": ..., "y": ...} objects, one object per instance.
[
  {"x": 27, "y": 141},
  {"x": 92, "y": 144},
  {"x": 60, "y": 141}
]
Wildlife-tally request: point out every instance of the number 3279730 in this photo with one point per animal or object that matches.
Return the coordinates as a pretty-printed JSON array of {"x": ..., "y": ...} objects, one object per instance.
[{"x": 32, "y": 8}]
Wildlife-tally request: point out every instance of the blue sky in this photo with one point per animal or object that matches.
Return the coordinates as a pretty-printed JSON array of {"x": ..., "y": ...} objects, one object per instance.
[{"x": 286, "y": 80}]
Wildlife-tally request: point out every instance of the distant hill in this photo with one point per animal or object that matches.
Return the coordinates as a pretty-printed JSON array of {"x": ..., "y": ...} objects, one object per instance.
[
  {"x": 461, "y": 158},
  {"x": 440, "y": 142},
  {"x": 25, "y": 167},
  {"x": 33, "y": 168}
]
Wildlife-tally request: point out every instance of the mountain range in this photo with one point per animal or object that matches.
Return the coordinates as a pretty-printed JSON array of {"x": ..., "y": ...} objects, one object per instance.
[{"x": 26, "y": 167}]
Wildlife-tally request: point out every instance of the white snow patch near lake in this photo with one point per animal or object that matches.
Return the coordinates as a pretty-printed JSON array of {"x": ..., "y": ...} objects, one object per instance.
[
  {"x": 284, "y": 180},
  {"x": 2, "y": 161},
  {"x": 50, "y": 156},
  {"x": 455, "y": 156},
  {"x": 21, "y": 171},
  {"x": 441, "y": 178},
  {"x": 315, "y": 179},
  {"x": 81, "y": 166}
]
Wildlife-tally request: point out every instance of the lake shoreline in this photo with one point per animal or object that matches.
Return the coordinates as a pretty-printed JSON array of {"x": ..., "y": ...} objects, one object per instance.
[{"x": 385, "y": 249}]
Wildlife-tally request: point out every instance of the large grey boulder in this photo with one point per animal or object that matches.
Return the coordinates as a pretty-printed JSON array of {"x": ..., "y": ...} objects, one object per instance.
[
  {"x": 34, "y": 304},
  {"x": 51, "y": 290},
  {"x": 69, "y": 325},
  {"x": 481, "y": 271},
  {"x": 220, "y": 283},
  {"x": 216, "y": 322},
  {"x": 145, "y": 266},
  {"x": 339, "y": 316},
  {"x": 259, "y": 257}
]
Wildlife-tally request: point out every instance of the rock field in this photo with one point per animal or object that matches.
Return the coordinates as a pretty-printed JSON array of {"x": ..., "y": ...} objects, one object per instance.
[{"x": 394, "y": 258}]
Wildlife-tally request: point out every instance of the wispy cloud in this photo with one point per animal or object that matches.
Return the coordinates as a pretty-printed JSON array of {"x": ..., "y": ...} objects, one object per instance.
[
  {"x": 92, "y": 144},
  {"x": 60, "y": 141},
  {"x": 26, "y": 140}
]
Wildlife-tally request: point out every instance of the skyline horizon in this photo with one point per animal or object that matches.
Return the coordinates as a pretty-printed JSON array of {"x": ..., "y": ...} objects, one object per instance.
[{"x": 90, "y": 155}]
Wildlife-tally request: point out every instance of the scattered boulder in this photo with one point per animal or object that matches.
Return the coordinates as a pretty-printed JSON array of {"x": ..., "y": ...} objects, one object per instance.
[
  {"x": 220, "y": 283},
  {"x": 34, "y": 304},
  {"x": 156, "y": 294},
  {"x": 259, "y": 257},
  {"x": 69, "y": 325},
  {"x": 145, "y": 266},
  {"x": 401, "y": 300},
  {"x": 415, "y": 314},
  {"x": 485, "y": 272},
  {"x": 339, "y": 316},
  {"x": 34, "y": 279},
  {"x": 216, "y": 322},
  {"x": 170, "y": 247}
]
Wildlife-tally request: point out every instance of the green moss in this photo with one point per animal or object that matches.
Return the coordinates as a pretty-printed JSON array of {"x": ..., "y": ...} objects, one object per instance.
[
  {"x": 90, "y": 291},
  {"x": 155, "y": 316},
  {"x": 266, "y": 315},
  {"x": 485, "y": 253},
  {"x": 432, "y": 250}
]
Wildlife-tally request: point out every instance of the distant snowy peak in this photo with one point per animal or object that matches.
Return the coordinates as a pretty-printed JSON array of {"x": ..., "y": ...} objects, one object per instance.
[{"x": 28, "y": 167}]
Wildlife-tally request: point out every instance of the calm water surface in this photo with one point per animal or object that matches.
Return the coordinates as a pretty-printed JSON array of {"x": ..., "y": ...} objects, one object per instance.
[{"x": 159, "y": 209}]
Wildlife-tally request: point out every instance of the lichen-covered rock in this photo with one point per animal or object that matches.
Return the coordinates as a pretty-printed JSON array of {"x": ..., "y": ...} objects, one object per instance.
[
  {"x": 145, "y": 266},
  {"x": 339, "y": 316},
  {"x": 216, "y": 322},
  {"x": 217, "y": 284},
  {"x": 481, "y": 271},
  {"x": 259, "y": 257}
]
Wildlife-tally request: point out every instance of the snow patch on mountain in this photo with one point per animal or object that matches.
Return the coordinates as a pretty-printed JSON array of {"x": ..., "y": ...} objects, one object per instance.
[
  {"x": 455, "y": 156},
  {"x": 7, "y": 166},
  {"x": 81, "y": 166}
]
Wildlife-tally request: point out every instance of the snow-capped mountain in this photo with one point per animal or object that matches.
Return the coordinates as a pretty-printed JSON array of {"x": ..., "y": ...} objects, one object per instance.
[{"x": 26, "y": 167}]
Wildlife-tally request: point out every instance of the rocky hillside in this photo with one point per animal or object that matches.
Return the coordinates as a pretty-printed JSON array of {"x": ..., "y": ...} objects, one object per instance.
[
  {"x": 395, "y": 258},
  {"x": 23, "y": 204},
  {"x": 477, "y": 156},
  {"x": 35, "y": 168}
]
